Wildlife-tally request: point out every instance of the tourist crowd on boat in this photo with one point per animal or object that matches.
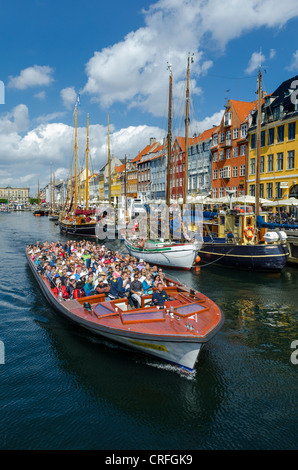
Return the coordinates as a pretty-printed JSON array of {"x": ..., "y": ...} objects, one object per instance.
[
  {"x": 283, "y": 217},
  {"x": 80, "y": 269}
]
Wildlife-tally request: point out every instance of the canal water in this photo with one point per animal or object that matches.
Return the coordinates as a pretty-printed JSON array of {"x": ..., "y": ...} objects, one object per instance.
[{"x": 61, "y": 388}]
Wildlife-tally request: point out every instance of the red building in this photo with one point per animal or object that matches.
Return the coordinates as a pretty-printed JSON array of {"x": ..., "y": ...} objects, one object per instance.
[
  {"x": 230, "y": 149},
  {"x": 177, "y": 168}
]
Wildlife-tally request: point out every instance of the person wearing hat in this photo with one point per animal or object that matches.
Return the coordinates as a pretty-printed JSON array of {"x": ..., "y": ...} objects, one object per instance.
[
  {"x": 102, "y": 285},
  {"x": 141, "y": 265}
]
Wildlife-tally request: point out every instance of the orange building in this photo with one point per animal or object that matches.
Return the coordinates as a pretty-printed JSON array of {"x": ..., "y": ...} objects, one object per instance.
[{"x": 230, "y": 149}]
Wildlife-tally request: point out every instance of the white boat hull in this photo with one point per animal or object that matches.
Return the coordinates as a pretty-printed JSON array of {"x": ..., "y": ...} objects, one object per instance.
[
  {"x": 180, "y": 353},
  {"x": 180, "y": 256}
]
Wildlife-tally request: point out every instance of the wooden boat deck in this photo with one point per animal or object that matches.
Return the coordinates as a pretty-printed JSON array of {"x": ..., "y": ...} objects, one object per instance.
[{"x": 192, "y": 316}]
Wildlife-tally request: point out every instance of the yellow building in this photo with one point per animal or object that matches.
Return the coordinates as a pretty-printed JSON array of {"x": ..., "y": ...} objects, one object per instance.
[
  {"x": 101, "y": 187},
  {"x": 18, "y": 195},
  {"x": 279, "y": 146},
  {"x": 116, "y": 183}
]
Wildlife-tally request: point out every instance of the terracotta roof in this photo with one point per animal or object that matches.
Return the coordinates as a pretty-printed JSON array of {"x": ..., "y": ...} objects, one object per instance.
[
  {"x": 149, "y": 148},
  {"x": 243, "y": 108},
  {"x": 120, "y": 168},
  {"x": 181, "y": 142},
  {"x": 203, "y": 136}
]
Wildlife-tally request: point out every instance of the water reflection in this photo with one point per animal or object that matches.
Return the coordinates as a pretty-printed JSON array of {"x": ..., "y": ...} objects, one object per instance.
[{"x": 84, "y": 392}]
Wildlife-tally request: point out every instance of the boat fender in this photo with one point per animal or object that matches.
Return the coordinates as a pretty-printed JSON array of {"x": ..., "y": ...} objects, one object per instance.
[
  {"x": 142, "y": 243},
  {"x": 249, "y": 232}
]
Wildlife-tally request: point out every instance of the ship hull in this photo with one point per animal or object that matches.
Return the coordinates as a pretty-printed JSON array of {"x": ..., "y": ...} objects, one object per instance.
[
  {"x": 271, "y": 258},
  {"x": 178, "y": 256}
]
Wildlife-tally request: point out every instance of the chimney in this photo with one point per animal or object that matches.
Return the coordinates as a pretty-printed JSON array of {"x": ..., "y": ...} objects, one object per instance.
[{"x": 152, "y": 140}]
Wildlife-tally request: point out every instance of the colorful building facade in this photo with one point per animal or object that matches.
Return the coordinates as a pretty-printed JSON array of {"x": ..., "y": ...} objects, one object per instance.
[
  {"x": 279, "y": 145},
  {"x": 230, "y": 149}
]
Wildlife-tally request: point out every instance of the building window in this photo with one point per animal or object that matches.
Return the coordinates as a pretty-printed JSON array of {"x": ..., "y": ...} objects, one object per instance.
[
  {"x": 242, "y": 170},
  {"x": 215, "y": 157},
  {"x": 271, "y": 136},
  {"x": 261, "y": 189},
  {"x": 292, "y": 131},
  {"x": 228, "y": 154},
  {"x": 221, "y": 173},
  {"x": 227, "y": 119},
  {"x": 228, "y": 138},
  {"x": 252, "y": 189},
  {"x": 269, "y": 190},
  {"x": 235, "y": 152},
  {"x": 242, "y": 150},
  {"x": 236, "y": 133},
  {"x": 215, "y": 139},
  {"x": 262, "y": 164},
  {"x": 215, "y": 172},
  {"x": 253, "y": 141},
  {"x": 222, "y": 137},
  {"x": 291, "y": 160},
  {"x": 235, "y": 171},
  {"x": 278, "y": 191},
  {"x": 270, "y": 162},
  {"x": 214, "y": 192},
  {"x": 280, "y": 162},
  {"x": 276, "y": 113},
  {"x": 243, "y": 131},
  {"x": 221, "y": 192},
  {"x": 252, "y": 166},
  {"x": 263, "y": 139},
  {"x": 221, "y": 155},
  {"x": 280, "y": 133}
]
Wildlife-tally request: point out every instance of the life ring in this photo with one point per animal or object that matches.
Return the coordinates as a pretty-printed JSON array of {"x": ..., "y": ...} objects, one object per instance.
[
  {"x": 249, "y": 232},
  {"x": 142, "y": 243}
]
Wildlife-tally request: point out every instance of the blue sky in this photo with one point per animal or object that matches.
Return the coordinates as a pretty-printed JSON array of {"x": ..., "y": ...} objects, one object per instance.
[{"x": 114, "y": 54}]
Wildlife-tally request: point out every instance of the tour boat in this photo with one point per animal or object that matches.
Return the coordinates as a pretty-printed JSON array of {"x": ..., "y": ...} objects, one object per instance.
[{"x": 175, "y": 334}]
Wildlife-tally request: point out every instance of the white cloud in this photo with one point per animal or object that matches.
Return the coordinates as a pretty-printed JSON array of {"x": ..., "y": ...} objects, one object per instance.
[
  {"x": 41, "y": 95},
  {"x": 32, "y": 76},
  {"x": 69, "y": 97},
  {"x": 257, "y": 58},
  {"x": 208, "y": 122},
  {"x": 53, "y": 143},
  {"x": 50, "y": 117},
  {"x": 294, "y": 63},
  {"x": 272, "y": 54},
  {"x": 133, "y": 71},
  {"x": 15, "y": 121}
]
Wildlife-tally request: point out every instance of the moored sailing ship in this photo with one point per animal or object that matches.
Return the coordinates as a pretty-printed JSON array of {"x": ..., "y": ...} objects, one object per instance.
[
  {"x": 74, "y": 221},
  {"x": 235, "y": 239}
]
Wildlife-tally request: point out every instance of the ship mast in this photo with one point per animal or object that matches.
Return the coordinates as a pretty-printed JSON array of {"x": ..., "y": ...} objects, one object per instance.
[
  {"x": 38, "y": 199},
  {"x": 258, "y": 142},
  {"x": 109, "y": 159},
  {"x": 76, "y": 154},
  {"x": 168, "y": 185},
  {"x": 185, "y": 186},
  {"x": 87, "y": 172},
  {"x": 51, "y": 190},
  {"x": 54, "y": 192}
]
